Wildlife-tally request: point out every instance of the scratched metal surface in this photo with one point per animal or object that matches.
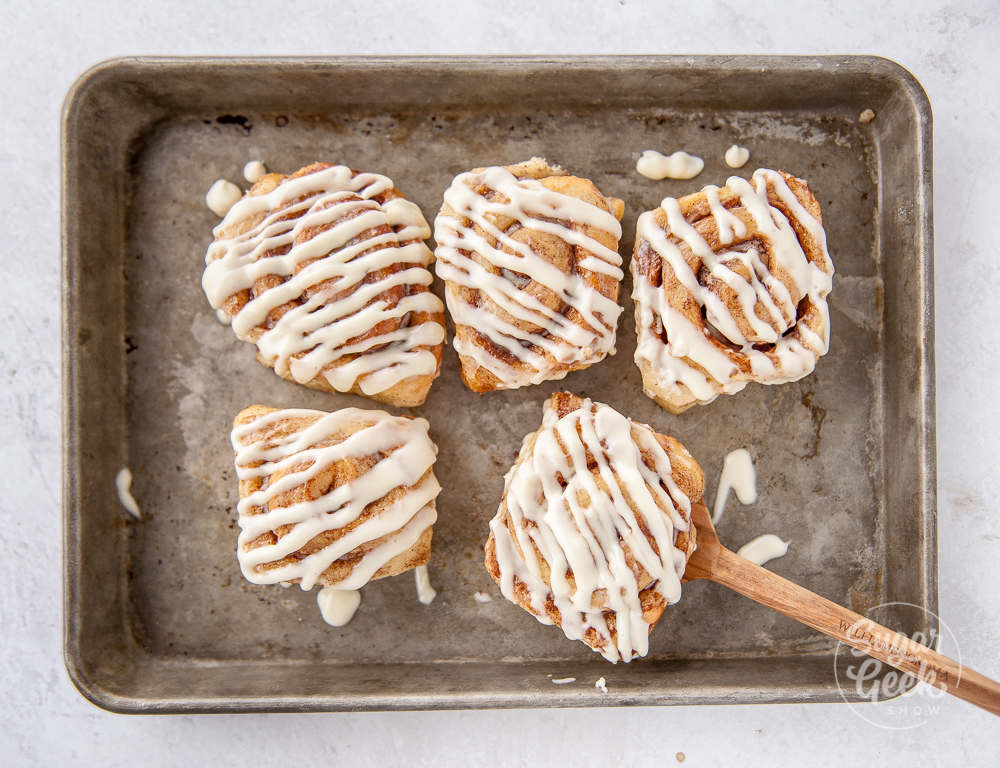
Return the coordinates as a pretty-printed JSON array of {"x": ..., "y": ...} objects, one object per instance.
[{"x": 176, "y": 612}]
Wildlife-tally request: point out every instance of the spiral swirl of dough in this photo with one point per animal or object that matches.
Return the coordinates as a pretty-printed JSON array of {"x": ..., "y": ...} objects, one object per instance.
[{"x": 730, "y": 286}]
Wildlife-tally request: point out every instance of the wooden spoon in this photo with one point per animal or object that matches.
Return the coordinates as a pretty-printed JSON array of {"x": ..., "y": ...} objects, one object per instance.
[{"x": 714, "y": 562}]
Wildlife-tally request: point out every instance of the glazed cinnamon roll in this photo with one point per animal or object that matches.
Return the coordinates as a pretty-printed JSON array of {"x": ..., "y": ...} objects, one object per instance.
[
  {"x": 594, "y": 528},
  {"x": 529, "y": 256},
  {"x": 730, "y": 286},
  {"x": 325, "y": 271},
  {"x": 335, "y": 499}
]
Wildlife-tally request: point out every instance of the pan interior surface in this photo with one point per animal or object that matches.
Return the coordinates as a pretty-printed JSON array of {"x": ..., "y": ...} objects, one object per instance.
[{"x": 159, "y": 617}]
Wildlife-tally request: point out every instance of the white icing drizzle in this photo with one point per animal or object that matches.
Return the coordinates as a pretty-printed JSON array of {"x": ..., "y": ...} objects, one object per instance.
[
  {"x": 123, "y": 483},
  {"x": 601, "y": 684},
  {"x": 692, "y": 358},
  {"x": 310, "y": 339},
  {"x": 425, "y": 592},
  {"x": 254, "y": 170},
  {"x": 222, "y": 196},
  {"x": 338, "y": 606},
  {"x": 738, "y": 474},
  {"x": 737, "y": 156},
  {"x": 482, "y": 597},
  {"x": 556, "y": 506},
  {"x": 563, "y": 680},
  {"x": 405, "y": 454},
  {"x": 535, "y": 207},
  {"x": 680, "y": 165},
  {"x": 763, "y": 549}
]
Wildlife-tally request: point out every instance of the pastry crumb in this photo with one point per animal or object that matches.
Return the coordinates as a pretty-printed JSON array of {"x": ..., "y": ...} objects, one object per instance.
[
  {"x": 563, "y": 680},
  {"x": 601, "y": 685},
  {"x": 867, "y": 116}
]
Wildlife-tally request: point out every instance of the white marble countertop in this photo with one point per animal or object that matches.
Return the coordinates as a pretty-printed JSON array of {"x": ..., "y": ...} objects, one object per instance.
[{"x": 47, "y": 44}]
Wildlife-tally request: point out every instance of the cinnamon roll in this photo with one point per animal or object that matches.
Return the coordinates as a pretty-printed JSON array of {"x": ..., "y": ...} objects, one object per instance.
[
  {"x": 529, "y": 256},
  {"x": 730, "y": 286},
  {"x": 325, "y": 271},
  {"x": 336, "y": 499},
  {"x": 594, "y": 528}
]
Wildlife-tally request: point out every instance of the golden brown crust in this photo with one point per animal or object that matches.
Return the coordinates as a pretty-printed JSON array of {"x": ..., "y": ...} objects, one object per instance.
[
  {"x": 333, "y": 476},
  {"x": 686, "y": 473},
  {"x": 409, "y": 392},
  {"x": 552, "y": 249}
]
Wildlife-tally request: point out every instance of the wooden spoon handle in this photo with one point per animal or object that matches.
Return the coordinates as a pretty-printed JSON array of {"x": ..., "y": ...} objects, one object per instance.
[{"x": 893, "y": 648}]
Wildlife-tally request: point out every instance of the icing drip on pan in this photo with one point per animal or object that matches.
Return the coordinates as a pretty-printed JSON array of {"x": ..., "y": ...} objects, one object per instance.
[
  {"x": 737, "y": 156},
  {"x": 123, "y": 484},
  {"x": 738, "y": 474},
  {"x": 338, "y": 606},
  {"x": 425, "y": 592},
  {"x": 680, "y": 165},
  {"x": 222, "y": 196},
  {"x": 254, "y": 171}
]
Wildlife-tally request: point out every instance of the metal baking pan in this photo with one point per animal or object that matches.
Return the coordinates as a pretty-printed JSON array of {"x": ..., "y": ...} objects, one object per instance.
[{"x": 157, "y": 617}]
